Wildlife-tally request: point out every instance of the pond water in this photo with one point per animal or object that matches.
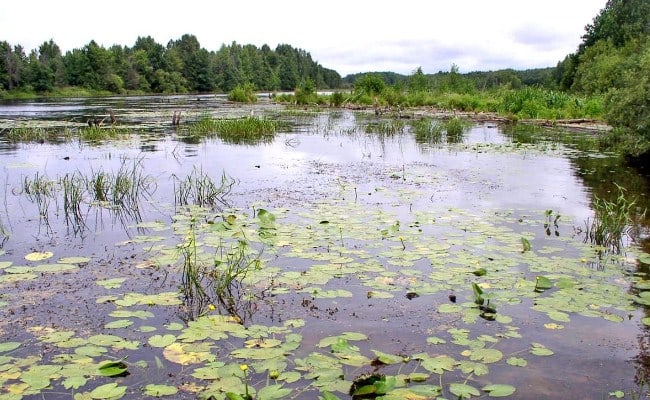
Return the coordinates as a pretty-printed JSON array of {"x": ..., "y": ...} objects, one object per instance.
[{"x": 446, "y": 267}]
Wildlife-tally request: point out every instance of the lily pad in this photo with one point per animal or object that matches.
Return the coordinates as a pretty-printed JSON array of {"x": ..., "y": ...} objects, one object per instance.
[
  {"x": 463, "y": 390},
  {"x": 108, "y": 391},
  {"x": 160, "y": 390},
  {"x": 499, "y": 390},
  {"x": 39, "y": 256}
]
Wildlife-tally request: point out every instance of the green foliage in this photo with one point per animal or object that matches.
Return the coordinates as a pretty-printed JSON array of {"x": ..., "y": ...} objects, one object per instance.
[
  {"x": 182, "y": 66},
  {"x": 236, "y": 130},
  {"x": 542, "y": 103},
  {"x": 418, "y": 81},
  {"x": 611, "y": 222},
  {"x": 306, "y": 92},
  {"x": 628, "y": 104},
  {"x": 243, "y": 94},
  {"x": 370, "y": 85},
  {"x": 336, "y": 99}
]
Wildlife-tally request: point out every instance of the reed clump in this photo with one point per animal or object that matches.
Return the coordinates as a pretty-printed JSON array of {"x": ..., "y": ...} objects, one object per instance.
[
  {"x": 198, "y": 188},
  {"x": 611, "y": 222},
  {"x": 247, "y": 130}
]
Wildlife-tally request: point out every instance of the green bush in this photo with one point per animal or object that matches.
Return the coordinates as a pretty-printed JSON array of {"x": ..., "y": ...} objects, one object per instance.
[{"x": 243, "y": 94}]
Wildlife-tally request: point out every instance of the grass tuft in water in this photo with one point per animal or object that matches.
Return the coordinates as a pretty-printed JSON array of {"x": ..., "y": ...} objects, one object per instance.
[
  {"x": 203, "y": 284},
  {"x": 247, "y": 130},
  {"x": 427, "y": 130},
  {"x": 199, "y": 189},
  {"x": 611, "y": 222}
]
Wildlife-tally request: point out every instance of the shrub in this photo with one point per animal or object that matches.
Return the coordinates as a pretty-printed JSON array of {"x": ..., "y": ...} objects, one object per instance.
[{"x": 243, "y": 94}]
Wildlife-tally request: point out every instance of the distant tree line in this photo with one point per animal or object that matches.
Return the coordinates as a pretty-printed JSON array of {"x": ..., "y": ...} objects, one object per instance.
[
  {"x": 452, "y": 80},
  {"x": 148, "y": 67}
]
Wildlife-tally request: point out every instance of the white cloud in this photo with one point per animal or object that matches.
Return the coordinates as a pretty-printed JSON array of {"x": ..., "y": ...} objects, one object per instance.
[{"x": 348, "y": 36}]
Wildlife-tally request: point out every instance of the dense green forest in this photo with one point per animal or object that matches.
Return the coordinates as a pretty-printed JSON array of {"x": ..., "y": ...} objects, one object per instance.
[
  {"x": 149, "y": 67},
  {"x": 613, "y": 61}
]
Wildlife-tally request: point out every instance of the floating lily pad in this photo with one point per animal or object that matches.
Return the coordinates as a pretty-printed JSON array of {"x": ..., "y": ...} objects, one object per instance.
[
  {"x": 499, "y": 390},
  {"x": 108, "y": 391},
  {"x": 39, "y": 256},
  {"x": 160, "y": 390},
  {"x": 112, "y": 283},
  {"x": 161, "y": 340}
]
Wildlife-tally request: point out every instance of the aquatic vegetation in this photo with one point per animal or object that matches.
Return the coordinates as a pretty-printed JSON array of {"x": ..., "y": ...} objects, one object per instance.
[
  {"x": 427, "y": 130},
  {"x": 121, "y": 192},
  {"x": 40, "y": 190},
  {"x": 99, "y": 133},
  {"x": 73, "y": 186},
  {"x": 243, "y": 94},
  {"x": 368, "y": 285},
  {"x": 247, "y": 130},
  {"x": 200, "y": 189},
  {"x": 611, "y": 222},
  {"x": 27, "y": 134},
  {"x": 218, "y": 281},
  {"x": 386, "y": 127}
]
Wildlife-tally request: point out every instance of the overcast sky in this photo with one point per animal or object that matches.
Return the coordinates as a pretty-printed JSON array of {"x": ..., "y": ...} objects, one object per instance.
[{"x": 346, "y": 35}]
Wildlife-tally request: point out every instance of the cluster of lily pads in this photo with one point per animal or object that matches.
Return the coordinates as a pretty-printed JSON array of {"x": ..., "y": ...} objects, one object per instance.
[{"x": 336, "y": 252}]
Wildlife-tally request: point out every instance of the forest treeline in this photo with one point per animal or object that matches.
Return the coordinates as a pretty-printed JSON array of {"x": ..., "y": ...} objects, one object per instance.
[
  {"x": 607, "y": 77},
  {"x": 181, "y": 66}
]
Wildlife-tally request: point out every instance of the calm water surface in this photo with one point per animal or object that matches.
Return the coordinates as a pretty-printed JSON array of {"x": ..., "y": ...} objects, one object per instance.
[{"x": 328, "y": 162}]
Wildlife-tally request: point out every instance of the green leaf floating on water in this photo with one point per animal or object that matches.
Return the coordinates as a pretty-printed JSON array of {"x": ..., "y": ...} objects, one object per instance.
[
  {"x": 113, "y": 368},
  {"x": 8, "y": 346},
  {"x": 273, "y": 392},
  {"x": 160, "y": 390},
  {"x": 108, "y": 391},
  {"x": 112, "y": 283},
  {"x": 39, "y": 256},
  {"x": 463, "y": 390},
  {"x": 540, "y": 350},
  {"x": 388, "y": 359},
  {"x": 498, "y": 390},
  {"x": 542, "y": 283},
  {"x": 161, "y": 340}
]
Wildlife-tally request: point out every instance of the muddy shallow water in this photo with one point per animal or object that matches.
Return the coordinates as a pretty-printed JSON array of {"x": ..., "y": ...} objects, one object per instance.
[{"x": 368, "y": 247}]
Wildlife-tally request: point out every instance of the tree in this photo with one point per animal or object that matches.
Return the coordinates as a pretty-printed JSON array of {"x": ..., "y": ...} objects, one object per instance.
[
  {"x": 418, "y": 81},
  {"x": 49, "y": 54},
  {"x": 628, "y": 105},
  {"x": 370, "y": 84}
]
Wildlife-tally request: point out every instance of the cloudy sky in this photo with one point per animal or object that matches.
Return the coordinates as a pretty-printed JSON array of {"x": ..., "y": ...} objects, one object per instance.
[{"x": 346, "y": 35}]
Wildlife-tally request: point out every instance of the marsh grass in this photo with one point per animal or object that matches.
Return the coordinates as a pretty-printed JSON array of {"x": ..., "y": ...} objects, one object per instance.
[
  {"x": 455, "y": 128},
  {"x": 611, "y": 222},
  {"x": 121, "y": 192},
  {"x": 98, "y": 134},
  {"x": 244, "y": 93},
  {"x": 247, "y": 130},
  {"x": 41, "y": 191},
  {"x": 27, "y": 134},
  {"x": 200, "y": 189},
  {"x": 427, "y": 130},
  {"x": 389, "y": 128},
  {"x": 73, "y": 194},
  {"x": 205, "y": 284}
]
